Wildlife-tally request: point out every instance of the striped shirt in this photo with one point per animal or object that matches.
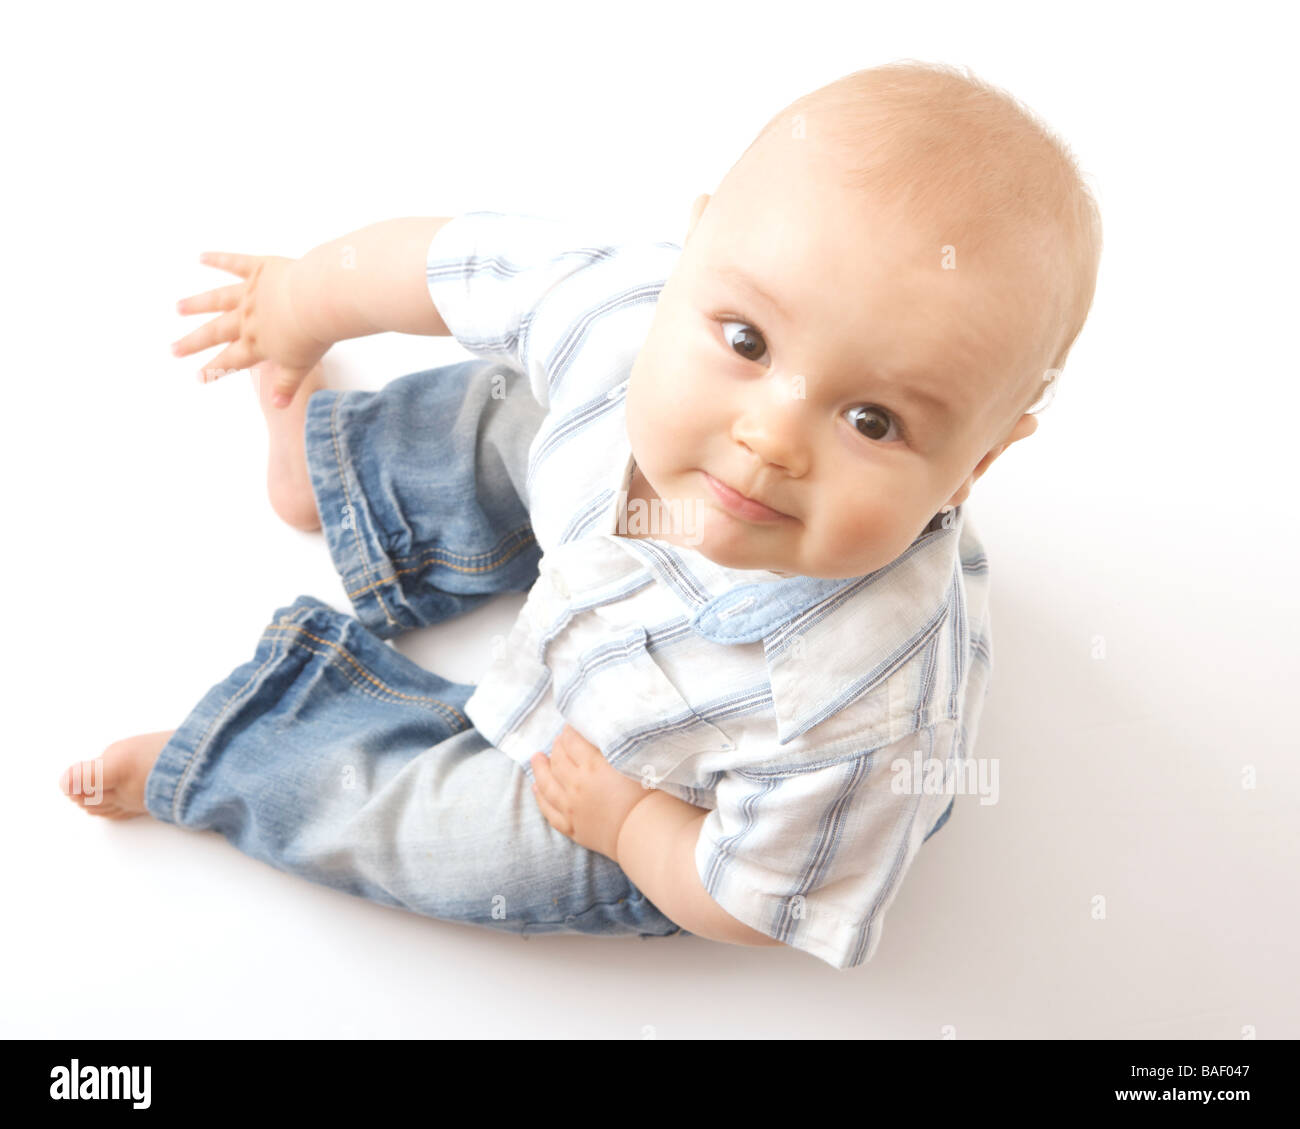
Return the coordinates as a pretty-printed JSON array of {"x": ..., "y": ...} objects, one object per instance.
[{"x": 780, "y": 704}]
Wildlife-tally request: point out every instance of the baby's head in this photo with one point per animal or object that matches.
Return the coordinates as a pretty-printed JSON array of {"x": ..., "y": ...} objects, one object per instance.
[{"x": 862, "y": 317}]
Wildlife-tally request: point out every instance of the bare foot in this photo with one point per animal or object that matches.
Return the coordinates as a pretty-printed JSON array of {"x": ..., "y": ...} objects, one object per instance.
[
  {"x": 112, "y": 785},
  {"x": 287, "y": 481}
]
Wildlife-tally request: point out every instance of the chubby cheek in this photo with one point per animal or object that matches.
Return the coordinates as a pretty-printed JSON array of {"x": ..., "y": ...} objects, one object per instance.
[
  {"x": 647, "y": 433},
  {"x": 639, "y": 409},
  {"x": 852, "y": 536},
  {"x": 664, "y": 420}
]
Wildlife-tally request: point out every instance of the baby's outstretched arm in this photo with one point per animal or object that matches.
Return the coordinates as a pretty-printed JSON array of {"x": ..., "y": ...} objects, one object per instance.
[
  {"x": 291, "y": 311},
  {"x": 370, "y": 281}
]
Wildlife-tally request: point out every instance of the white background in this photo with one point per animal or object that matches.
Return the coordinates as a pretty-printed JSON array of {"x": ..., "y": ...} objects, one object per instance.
[{"x": 1151, "y": 509}]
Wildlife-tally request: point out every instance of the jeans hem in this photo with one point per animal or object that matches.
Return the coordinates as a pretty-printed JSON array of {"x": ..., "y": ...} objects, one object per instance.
[
  {"x": 169, "y": 778},
  {"x": 321, "y": 633}
]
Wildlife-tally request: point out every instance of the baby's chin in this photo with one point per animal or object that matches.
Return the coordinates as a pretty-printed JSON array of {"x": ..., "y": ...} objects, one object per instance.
[
  {"x": 737, "y": 551},
  {"x": 743, "y": 561},
  {"x": 732, "y": 544}
]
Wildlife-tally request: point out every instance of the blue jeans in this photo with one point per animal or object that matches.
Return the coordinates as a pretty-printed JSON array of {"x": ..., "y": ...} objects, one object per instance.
[{"x": 332, "y": 756}]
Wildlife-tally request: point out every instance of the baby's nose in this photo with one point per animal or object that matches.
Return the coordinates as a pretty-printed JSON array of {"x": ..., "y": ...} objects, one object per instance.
[{"x": 775, "y": 428}]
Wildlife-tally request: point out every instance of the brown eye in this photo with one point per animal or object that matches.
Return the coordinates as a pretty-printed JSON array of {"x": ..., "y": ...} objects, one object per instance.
[
  {"x": 748, "y": 342},
  {"x": 874, "y": 423}
]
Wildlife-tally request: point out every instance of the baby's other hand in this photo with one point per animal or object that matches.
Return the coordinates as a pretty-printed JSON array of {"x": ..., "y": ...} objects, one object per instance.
[
  {"x": 582, "y": 795},
  {"x": 257, "y": 319}
]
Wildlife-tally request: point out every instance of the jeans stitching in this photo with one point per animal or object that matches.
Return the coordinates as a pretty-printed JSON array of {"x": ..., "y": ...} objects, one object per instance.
[
  {"x": 435, "y": 704},
  {"x": 461, "y": 718},
  {"x": 431, "y": 558},
  {"x": 504, "y": 553}
]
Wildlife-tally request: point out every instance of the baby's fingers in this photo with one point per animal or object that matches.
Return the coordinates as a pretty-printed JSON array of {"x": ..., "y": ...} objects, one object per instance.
[
  {"x": 548, "y": 797},
  {"x": 223, "y": 298},
  {"x": 242, "y": 265},
  {"x": 237, "y": 357},
  {"x": 224, "y": 328}
]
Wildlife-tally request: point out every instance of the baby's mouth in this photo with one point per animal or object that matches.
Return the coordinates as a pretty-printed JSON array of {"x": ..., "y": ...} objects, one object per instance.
[{"x": 736, "y": 503}]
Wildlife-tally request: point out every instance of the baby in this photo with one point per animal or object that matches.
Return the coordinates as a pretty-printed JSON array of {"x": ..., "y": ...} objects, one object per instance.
[{"x": 731, "y": 476}]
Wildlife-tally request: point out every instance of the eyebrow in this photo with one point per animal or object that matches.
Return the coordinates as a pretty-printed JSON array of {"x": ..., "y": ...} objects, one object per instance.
[
  {"x": 740, "y": 278},
  {"x": 922, "y": 399},
  {"x": 917, "y": 397}
]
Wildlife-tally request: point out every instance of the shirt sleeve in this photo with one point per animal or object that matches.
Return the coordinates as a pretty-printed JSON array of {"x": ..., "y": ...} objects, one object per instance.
[
  {"x": 814, "y": 856},
  {"x": 498, "y": 280}
]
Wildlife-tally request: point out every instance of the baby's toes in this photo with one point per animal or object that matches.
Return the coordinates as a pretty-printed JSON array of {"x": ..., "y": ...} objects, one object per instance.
[
  {"x": 83, "y": 782},
  {"x": 89, "y": 785}
]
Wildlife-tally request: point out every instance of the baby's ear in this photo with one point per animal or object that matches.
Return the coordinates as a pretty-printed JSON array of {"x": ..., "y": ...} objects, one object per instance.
[{"x": 1025, "y": 426}]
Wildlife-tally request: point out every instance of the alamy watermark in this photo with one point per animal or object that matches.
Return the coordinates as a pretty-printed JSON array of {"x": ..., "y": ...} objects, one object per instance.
[
  {"x": 676, "y": 517},
  {"x": 953, "y": 776},
  {"x": 112, "y": 1083}
]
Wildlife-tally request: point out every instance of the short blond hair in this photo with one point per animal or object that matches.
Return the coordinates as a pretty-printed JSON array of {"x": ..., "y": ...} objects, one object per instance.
[{"x": 956, "y": 151}]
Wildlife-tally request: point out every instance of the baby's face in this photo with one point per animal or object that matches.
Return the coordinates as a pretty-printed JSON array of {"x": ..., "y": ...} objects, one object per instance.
[{"x": 813, "y": 354}]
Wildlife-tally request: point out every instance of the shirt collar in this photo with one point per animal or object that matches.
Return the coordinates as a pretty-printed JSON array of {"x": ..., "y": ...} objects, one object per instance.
[
  {"x": 827, "y": 643},
  {"x": 750, "y": 612}
]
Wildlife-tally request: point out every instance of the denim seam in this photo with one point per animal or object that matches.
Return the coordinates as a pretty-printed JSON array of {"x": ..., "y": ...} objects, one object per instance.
[
  {"x": 434, "y": 704},
  {"x": 464, "y": 721},
  {"x": 179, "y": 787},
  {"x": 498, "y": 551},
  {"x": 431, "y": 558}
]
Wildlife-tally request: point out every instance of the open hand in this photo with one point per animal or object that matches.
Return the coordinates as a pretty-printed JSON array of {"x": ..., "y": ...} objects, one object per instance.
[
  {"x": 257, "y": 320},
  {"x": 582, "y": 795}
]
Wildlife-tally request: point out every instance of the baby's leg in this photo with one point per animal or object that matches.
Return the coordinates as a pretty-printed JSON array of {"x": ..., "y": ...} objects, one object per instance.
[
  {"x": 420, "y": 489},
  {"x": 332, "y": 756},
  {"x": 424, "y": 516}
]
